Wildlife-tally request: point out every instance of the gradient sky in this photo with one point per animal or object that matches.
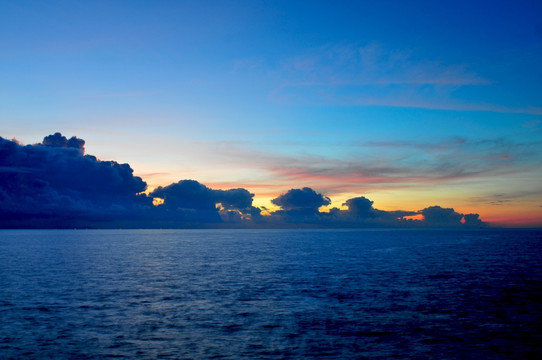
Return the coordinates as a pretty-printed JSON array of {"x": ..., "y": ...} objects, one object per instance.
[{"x": 409, "y": 103}]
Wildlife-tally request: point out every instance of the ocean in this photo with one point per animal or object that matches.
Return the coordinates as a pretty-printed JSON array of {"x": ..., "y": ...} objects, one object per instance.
[{"x": 270, "y": 294}]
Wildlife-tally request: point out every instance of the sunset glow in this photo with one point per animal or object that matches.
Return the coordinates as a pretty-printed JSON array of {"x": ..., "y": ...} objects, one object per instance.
[{"x": 407, "y": 108}]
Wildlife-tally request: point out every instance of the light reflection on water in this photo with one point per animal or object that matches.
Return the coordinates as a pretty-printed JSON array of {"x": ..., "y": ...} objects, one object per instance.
[{"x": 270, "y": 294}]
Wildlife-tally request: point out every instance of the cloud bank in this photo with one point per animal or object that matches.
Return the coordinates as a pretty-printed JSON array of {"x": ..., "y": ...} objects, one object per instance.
[{"x": 54, "y": 184}]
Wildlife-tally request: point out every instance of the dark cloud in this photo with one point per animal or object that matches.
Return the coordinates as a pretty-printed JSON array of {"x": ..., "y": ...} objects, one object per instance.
[
  {"x": 53, "y": 184},
  {"x": 361, "y": 212},
  {"x": 473, "y": 220},
  {"x": 57, "y": 140},
  {"x": 240, "y": 199},
  {"x": 301, "y": 206},
  {"x": 190, "y": 194},
  {"x": 186, "y": 194},
  {"x": 236, "y": 205},
  {"x": 438, "y": 216},
  {"x": 304, "y": 200},
  {"x": 360, "y": 207},
  {"x": 190, "y": 200}
]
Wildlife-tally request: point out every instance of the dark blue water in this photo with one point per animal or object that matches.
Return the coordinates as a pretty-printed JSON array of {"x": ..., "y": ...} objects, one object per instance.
[{"x": 270, "y": 294}]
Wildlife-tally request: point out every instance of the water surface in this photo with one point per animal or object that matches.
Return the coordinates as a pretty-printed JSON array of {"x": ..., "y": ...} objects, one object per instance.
[{"x": 270, "y": 294}]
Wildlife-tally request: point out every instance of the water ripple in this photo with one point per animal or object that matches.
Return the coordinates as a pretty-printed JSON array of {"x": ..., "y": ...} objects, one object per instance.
[{"x": 188, "y": 294}]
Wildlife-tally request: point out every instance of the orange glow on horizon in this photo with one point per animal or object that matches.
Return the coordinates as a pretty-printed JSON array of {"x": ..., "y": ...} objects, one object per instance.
[
  {"x": 387, "y": 193},
  {"x": 157, "y": 201},
  {"x": 414, "y": 217},
  {"x": 514, "y": 221}
]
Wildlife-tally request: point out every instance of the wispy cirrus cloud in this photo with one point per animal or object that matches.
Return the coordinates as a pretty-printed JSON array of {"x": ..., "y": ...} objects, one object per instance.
[
  {"x": 372, "y": 64},
  {"x": 374, "y": 75},
  {"x": 386, "y": 164},
  {"x": 504, "y": 198}
]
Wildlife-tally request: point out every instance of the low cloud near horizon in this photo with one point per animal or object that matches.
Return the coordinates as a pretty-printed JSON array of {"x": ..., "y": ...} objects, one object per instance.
[{"x": 54, "y": 184}]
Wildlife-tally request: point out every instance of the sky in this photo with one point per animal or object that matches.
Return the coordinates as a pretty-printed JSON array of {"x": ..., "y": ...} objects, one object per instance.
[{"x": 410, "y": 104}]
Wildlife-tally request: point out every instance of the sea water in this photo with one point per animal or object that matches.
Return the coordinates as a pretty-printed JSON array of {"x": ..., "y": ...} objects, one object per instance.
[{"x": 270, "y": 294}]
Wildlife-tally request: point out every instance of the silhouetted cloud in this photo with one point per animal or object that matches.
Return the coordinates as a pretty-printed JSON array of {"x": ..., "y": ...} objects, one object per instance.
[
  {"x": 302, "y": 206},
  {"x": 54, "y": 184},
  {"x": 188, "y": 200},
  {"x": 361, "y": 213},
  {"x": 438, "y": 216},
  {"x": 235, "y": 198},
  {"x": 473, "y": 220},
  {"x": 186, "y": 194},
  {"x": 236, "y": 205},
  {"x": 304, "y": 201},
  {"x": 57, "y": 140},
  {"x": 360, "y": 207}
]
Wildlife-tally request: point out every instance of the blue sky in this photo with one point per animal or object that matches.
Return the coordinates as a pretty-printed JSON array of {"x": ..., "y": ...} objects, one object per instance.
[{"x": 412, "y": 103}]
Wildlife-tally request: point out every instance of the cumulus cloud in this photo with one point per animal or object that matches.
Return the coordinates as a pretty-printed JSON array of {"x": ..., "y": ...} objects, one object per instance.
[
  {"x": 302, "y": 206},
  {"x": 190, "y": 200},
  {"x": 240, "y": 199},
  {"x": 473, "y": 220},
  {"x": 57, "y": 140},
  {"x": 53, "y": 181},
  {"x": 303, "y": 201},
  {"x": 438, "y": 216},
  {"x": 54, "y": 184},
  {"x": 361, "y": 213},
  {"x": 360, "y": 207},
  {"x": 186, "y": 194}
]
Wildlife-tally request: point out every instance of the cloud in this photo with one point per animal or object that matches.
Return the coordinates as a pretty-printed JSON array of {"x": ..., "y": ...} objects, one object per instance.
[
  {"x": 234, "y": 199},
  {"x": 57, "y": 140},
  {"x": 472, "y": 220},
  {"x": 301, "y": 201},
  {"x": 372, "y": 64},
  {"x": 375, "y": 75},
  {"x": 301, "y": 206},
  {"x": 369, "y": 165},
  {"x": 186, "y": 194},
  {"x": 188, "y": 200},
  {"x": 360, "y": 207},
  {"x": 509, "y": 196},
  {"x": 438, "y": 216},
  {"x": 54, "y": 185},
  {"x": 361, "y": 213},
  {"x": 401, "y": 164}
]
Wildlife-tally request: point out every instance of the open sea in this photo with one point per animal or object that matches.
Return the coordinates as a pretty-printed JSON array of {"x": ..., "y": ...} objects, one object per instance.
[{"x": 270, "y": 294}]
